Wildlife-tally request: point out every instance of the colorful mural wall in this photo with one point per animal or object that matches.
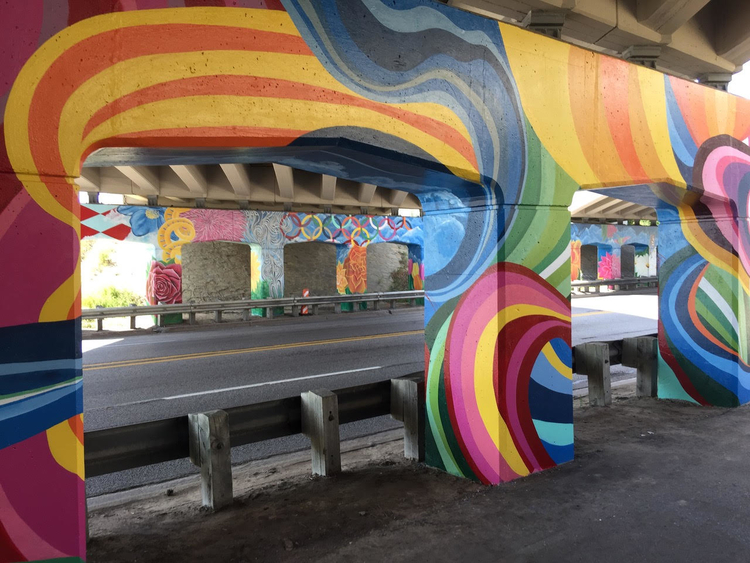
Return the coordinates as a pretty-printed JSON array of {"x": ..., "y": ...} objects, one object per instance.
[
  {"x": 267, "y": 232},
  {"x": 609, "y": 240},
  {"x": 492, "y": 126}
]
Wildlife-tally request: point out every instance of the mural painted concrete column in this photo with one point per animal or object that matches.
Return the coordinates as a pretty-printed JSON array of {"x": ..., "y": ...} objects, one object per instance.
[
  {"x": 42, "y": 502},
  {"x": 498, "y": 356},
  {"x": 703, "y": 310}
]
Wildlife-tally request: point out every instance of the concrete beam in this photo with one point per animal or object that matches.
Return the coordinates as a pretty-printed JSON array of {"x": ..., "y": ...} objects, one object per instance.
[
  {"x": 667, "y": 16},
  {"x": 238, "y": 179},
  {"x": 285, "y": 181},
  {"x": 366, "y": 193},
  {"x": 732, "y": 40},
  {"x": 146, "y": 179},
  {"x": 193, "y": 178},
  {"x": 397, "y": 197},
  {"x": 90, "y": 179},
  {"x": 327, "y": 187}
]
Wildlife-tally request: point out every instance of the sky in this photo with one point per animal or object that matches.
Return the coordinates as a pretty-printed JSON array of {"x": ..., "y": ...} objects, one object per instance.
[{"x": 740, "y": 84}]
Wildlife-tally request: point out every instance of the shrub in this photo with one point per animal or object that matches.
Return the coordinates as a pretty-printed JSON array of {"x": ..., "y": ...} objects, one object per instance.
[{"x": 112, "y": 297}]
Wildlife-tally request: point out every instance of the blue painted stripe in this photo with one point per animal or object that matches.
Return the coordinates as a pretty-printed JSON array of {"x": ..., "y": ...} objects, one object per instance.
[
  {"x": 548, "y": 405},
  {"x": 40, "y": 342},
  {"x": 559, "y": 454},
  {"x": 25, "y": 418},
  {"x": 547, "y": 376},
  {"x": 563, "y": 351},
  {"x": 49, "y": 365},
  {"x": 28, "y": 382}
]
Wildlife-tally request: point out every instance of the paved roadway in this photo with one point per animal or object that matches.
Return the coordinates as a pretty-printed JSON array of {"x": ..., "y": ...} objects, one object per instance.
[{"x": 146, "y": 377}]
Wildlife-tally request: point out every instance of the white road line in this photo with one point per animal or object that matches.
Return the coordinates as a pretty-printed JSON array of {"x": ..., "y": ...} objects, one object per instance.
[{"x": 240, "y": 387}]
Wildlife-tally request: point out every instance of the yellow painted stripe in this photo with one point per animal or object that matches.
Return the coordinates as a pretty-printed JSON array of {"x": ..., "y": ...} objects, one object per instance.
[
  {"x": 237, "y": 111},
  {"x": 201, "y": 355},
  {"x": 556, "y": 362},
  {"x": 592, "y": 313}
]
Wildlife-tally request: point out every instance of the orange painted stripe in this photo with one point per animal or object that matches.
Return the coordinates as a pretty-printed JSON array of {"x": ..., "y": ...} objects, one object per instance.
[
  {"x": 67, "y": 73},
  {"x": 278, "y": 88},
  {"x": 203, "y": 137},
  {"x": 76, "y": 425},
  {"x": 640, "y": 132},
  {"x": 588, "y": 114},
  {"x": 614, "y": 77}
]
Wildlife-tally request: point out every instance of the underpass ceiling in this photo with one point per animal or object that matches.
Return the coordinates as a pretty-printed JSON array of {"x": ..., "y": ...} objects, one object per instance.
[{"x": 272, "y": 187}]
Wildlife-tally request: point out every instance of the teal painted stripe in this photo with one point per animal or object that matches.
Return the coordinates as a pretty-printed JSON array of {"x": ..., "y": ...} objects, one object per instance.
[{"x": 555, "y": 433}]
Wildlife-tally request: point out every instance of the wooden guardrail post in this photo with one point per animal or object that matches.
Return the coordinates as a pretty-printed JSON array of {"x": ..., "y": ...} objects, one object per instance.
[
  {"x": 315, "y": 309},
  {"x": 245, "y": 314},
  {"x": 99, "y": 321},
  {"x": 407, "y": 405},
  {"x": 642, "y": 353},
  {"x": 295, "y": 310},
  {"x": 217, "y": 315},
  {"x": 269, "y": 312},
  {"x": 337, "y": 308},
  {"x": 210, "y": 450},
  {"x": 320, "y": 423},
  {"x": 592, "y": 360},
  {"x": 132, "y": 318},
  {"x": 191, "y": 317}
]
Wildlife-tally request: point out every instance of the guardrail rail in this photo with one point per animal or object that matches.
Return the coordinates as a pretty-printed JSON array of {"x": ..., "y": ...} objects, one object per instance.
[{"x": 246, "y": 305}]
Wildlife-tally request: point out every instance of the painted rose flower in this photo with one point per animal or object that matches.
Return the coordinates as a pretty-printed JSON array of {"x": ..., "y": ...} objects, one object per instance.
[
  {"x": 575, "y": 259},
  {"x": 217, "y": 224},
  {"x": 164, "y": 284},
  {"x": 341, "y": 283},
  {"x": 143, "y": 220},
  {"x": 356, "y": 269}
]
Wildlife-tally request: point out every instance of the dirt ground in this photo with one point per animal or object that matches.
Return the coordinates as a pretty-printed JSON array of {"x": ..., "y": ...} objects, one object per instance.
[{"x": 651, "y": 481}]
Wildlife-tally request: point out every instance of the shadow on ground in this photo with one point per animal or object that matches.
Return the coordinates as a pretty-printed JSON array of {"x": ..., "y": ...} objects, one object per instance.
[{"x": 651, "y": 481}]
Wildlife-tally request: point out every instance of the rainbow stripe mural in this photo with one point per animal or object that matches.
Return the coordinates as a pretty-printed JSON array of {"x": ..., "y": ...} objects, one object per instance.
[{"x": 493, "y": 127}]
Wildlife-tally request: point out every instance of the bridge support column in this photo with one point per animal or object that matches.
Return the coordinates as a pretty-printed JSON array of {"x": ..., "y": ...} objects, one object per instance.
[
  {"x": 41, "y": 421},
  {"x": 498, "y": 388},
  {"x": 703, "y": 298}
]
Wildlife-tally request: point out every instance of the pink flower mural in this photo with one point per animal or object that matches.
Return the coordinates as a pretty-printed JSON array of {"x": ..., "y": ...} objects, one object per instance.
[
  {"x": 609, "y": 267},
  {"x": 210, "y": 225}
]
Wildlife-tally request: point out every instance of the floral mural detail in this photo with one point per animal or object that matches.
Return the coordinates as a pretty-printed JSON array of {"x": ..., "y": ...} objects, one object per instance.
[
  {"x": 164, "y": 284},
  {"x": 356, "y": 269},
  {"x": 416, "y": 273},
  {"x": 341, "y": 283},
  {"x": 143, "y": 220},
  {"x": 210, "y": 225},
  {"x": 609, "y": 267},
  {"x": 575, "y": 260}
]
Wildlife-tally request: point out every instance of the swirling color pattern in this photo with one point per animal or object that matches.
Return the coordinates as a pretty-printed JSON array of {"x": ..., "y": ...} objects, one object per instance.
[{"x": 493, "y": 127}]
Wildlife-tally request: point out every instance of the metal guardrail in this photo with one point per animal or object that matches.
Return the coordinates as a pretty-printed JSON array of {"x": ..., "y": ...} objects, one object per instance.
[
  {"x": 246, "y": 305},
  {"x": 146, "y": 443},
  {"x": 629, "y": 283}
]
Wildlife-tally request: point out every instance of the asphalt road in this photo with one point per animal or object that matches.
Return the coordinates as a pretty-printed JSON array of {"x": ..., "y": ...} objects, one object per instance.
[{"x": 147, "y": 377}]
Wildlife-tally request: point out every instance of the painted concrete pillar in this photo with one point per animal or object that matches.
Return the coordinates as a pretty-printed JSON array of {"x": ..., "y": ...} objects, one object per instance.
[
  {"x": 703, "y": 309},
  {"x": 42, "y": 502},
  {"x": 497, "y": 317}
]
